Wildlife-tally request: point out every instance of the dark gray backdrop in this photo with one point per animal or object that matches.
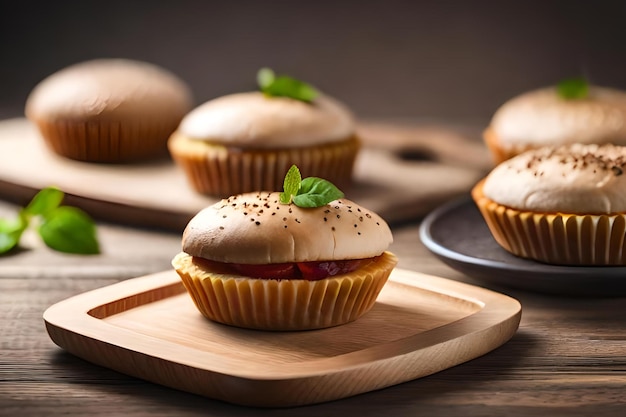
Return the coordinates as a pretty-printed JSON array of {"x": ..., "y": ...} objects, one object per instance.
[{"x": 445, "y": 60}]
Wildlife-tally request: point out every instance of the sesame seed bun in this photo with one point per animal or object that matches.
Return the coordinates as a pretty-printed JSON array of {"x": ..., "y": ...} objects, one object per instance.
[
  {"x": 254, "y": 228},
  {"x": 580, "y": 179}
]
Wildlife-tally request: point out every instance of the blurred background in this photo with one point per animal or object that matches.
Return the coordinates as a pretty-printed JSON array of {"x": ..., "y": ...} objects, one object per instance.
[{"x": 450, "y": 61}]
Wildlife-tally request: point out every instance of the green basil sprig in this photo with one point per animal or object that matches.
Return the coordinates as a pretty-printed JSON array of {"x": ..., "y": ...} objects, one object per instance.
[
  {"x": 308, "y": 192},
  {"x": 62, "y": 228},
  {"x": 284, "y": 86},
  {"x": 573, "y": 88}
]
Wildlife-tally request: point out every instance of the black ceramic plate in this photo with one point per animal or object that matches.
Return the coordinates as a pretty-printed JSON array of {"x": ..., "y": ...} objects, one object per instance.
[{"x": 457, "y": 234}]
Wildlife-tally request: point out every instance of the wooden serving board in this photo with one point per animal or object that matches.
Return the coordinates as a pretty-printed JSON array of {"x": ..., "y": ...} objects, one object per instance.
[
  {"x": 157, "y": 194},
  {"x": 149, "y": 328}
]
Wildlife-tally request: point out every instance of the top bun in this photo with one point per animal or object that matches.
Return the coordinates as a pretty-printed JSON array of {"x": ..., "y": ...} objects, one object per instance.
[
  {"x": 572, "y": 179},
  {"x": 110, "y": 90},
  {"x": 255, "y": 120},
  {"x": 255, "y": 228},
  {"x": 543, "y": 118}
]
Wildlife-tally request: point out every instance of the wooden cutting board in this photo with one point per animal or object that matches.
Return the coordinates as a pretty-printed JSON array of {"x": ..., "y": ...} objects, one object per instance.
[
  {"x": 149, "y": 328},
  {"x": 401, "y": 174}
]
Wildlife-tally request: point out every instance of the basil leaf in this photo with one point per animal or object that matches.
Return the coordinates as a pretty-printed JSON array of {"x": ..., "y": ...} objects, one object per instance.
[
  {"x": 44, "y": 201},
  {"x": 291, "y": 184},
  {"x": 69, "y": 229},
  {"x": 316, "y": 192},
  {"x": 10, "y": 233},
  {"x": 573, "y": 88},
  {"x": 285, "y": 86}
]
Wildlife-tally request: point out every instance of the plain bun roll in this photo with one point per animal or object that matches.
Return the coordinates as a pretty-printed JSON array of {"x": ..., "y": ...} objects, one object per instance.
[
  {"x": 109, "y": 89},
  {"x": 579, "y": 179},
  {"x": 254, "y": 120},
  {"x": 543, "y": 118},
  {"x": 109, "y": 110},
  {"x": 255, "y": 228}
]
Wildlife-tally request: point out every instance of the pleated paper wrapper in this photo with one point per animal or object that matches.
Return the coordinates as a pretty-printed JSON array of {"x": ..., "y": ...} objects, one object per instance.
[
  {"x": 556, "y": 238},
  {"x": 288, "y": 304},
  {"x": 107, "y": 141},
  {"x": 223, "y": 171}
]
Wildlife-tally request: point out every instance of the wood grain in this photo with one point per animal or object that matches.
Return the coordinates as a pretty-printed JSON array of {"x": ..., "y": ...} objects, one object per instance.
[
  {"x": 568, "y": 357},
  {"x": 389, "y": 180},
  {"x": 148, "y": 327}
]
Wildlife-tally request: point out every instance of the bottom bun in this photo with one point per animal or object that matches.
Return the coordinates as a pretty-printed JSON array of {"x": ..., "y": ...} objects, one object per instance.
[
  {"x": 555, "y": 238},
  {"x": 292, "y": 304},
  {"x": 106, "y": 142},
  {"x": 218, "y": 170}
]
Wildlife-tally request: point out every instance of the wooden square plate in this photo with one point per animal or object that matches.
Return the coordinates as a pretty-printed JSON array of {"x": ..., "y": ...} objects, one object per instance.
[{"x": 149, "y": 328}]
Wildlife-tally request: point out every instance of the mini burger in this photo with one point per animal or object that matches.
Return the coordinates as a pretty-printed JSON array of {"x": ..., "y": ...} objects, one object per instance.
[
  {"x": 245, "y": 142},
  {"x": 306, "y": 258}
]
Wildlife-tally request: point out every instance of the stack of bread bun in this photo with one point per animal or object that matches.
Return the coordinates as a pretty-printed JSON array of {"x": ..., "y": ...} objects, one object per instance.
[{"x": 558, "y": 193}]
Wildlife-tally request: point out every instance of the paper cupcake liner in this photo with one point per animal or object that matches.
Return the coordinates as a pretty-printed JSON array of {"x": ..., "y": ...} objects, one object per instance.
[
  {"x": 560, "y": 239},
  {"x": 222, "y": 171},
  {"x": 498, "y": 153},
  {"x": 297, "y": 304},
  {"x": 107, "y": 142}
]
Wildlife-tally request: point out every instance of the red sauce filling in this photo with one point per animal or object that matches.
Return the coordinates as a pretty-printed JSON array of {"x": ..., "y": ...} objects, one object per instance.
[{"x": 311, "y": 271}]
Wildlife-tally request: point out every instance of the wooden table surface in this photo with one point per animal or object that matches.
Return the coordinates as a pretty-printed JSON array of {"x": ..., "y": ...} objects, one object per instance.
[{"x": 567, "y": 358}]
